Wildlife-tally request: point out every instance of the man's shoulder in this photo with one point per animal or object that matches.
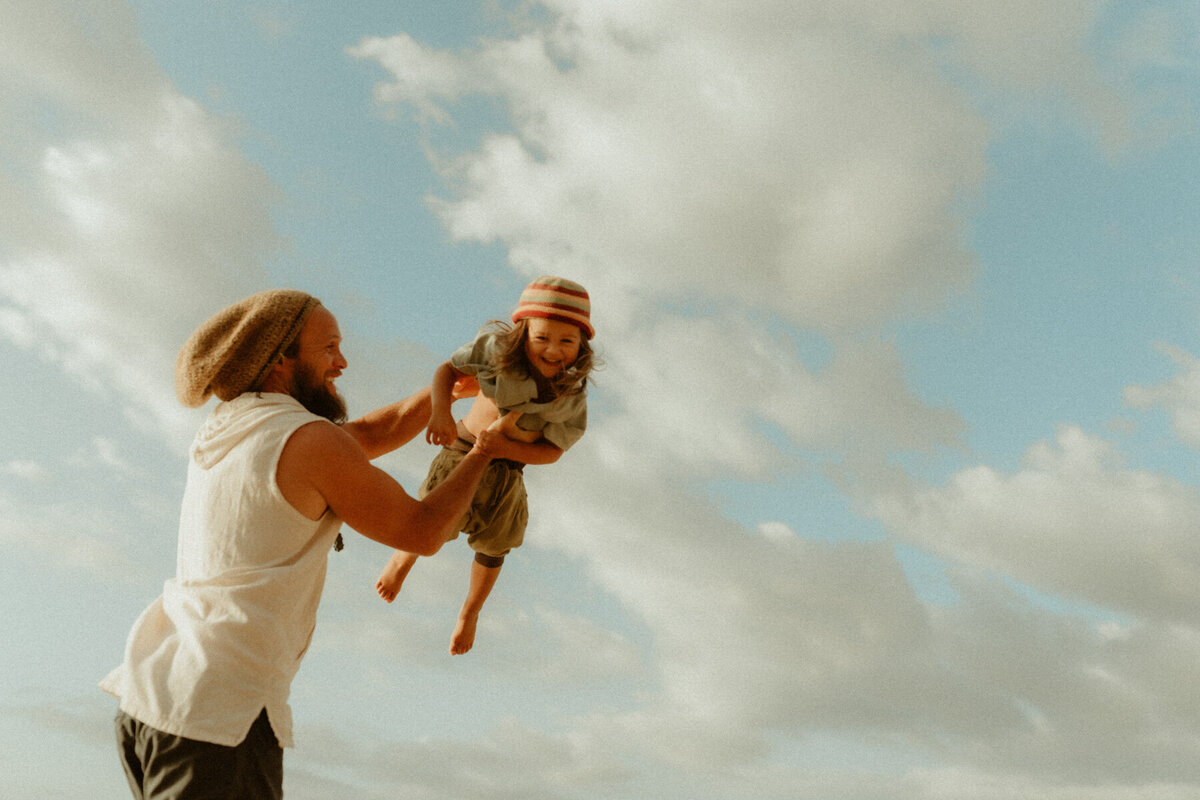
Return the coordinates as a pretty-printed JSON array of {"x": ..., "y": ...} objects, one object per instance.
[
  {"x": 318, "y": 435},
  {"x": 313, "y": 454}
]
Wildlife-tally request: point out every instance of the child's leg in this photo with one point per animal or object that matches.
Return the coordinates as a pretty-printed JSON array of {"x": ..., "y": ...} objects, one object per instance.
[
  {"x": 483, "y": 578},
  {"x": 394, "y": 573},
  {"x": 396, "y": 570}
]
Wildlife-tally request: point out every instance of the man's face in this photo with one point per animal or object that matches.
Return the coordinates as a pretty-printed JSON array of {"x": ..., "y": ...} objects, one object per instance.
[
  {"x": 317, "y": 395},
  {"x": 318, "y": 365}
]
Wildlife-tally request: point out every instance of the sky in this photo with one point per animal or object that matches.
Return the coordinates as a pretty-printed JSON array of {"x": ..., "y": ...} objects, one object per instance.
[{"x": 890, "y": 485}]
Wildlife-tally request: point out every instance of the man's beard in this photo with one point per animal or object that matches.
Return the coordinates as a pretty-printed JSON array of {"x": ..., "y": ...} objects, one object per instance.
[{"x": 315, "y": 395}]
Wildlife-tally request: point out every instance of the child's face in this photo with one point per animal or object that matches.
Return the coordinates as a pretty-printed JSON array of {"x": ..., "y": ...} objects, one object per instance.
[{"x": 551, "y": 346}]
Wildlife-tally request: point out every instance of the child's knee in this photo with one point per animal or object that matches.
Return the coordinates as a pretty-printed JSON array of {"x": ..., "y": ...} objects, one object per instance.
[{"x": 491, "y": 562}]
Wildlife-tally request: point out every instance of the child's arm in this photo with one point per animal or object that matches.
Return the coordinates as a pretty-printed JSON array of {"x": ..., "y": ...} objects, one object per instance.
[
  {"x": 539, "y": 452},
  {"x": 528, "y": 447},
  {"x": 441, "y": 429},
  {"x": 506, "y": 424}
]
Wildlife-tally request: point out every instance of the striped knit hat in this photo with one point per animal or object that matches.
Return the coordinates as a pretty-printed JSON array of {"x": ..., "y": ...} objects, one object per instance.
[{"x": 558, "y": 299}]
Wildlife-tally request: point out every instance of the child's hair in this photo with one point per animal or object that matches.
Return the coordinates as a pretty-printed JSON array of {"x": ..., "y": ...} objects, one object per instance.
[{"x": 511, "y": 340}]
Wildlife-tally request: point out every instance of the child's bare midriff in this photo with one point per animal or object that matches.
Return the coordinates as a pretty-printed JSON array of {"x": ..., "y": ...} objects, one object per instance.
[{"x": 483, "y": 413}]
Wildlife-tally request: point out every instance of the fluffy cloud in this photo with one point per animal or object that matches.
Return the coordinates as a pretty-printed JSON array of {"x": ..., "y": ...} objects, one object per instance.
[
  {"x": 761, "y": 642},
  {"x": 740, "y": 172},
  {"x": 72, "y": 536},
  {"x": 757, "y": 636},
  {"x": 141, "y": 211},
  {"x": 807, "y": 158},
  {"x": 1179, "y": 396},
  {"x": 25, "y": 470},
  {"x": 720, "y": 177},
  {"x": 794, "y": 165},
  {"x": 716, "y": 396},
  {"x": 1071, "y": 522}
]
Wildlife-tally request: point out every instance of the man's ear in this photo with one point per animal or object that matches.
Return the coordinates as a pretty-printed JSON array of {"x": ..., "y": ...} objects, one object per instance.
[{"x": 279, "y": 377}]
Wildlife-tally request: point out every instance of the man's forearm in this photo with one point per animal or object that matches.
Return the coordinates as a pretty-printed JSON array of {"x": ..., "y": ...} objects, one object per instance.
[
  {"x": 387, "y": 428},
  {"x": 448, "y": 502}
]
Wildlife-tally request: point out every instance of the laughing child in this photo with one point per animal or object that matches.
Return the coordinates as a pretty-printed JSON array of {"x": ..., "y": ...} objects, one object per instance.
[{"x": 532, "y": 391}]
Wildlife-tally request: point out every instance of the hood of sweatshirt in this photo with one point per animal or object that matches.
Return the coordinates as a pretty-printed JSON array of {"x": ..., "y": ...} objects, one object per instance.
[{"x": 231, "y": 422}]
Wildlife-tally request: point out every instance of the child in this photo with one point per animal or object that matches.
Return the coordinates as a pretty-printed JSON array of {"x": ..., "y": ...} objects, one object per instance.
[{"x": 532, "y": 395}]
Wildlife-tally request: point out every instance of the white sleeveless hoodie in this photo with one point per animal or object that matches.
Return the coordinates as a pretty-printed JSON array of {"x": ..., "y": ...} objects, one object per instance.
[{"x": 226, "y": 637}]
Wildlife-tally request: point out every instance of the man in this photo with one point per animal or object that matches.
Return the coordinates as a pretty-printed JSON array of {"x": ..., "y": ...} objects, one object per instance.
[{"x": 272, "y": 475}]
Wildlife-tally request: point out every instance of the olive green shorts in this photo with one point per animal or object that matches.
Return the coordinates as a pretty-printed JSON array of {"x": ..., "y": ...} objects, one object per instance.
[{"x": 495, "y": 522}]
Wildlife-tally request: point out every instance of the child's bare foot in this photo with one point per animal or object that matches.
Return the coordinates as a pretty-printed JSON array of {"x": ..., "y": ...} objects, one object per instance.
[
  {"x": 393, "y": 575},
  {"x": 464, "y": 635}
]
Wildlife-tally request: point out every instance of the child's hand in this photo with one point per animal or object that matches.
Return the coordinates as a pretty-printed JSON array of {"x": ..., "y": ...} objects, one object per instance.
[{"x": 441, "y": 429}]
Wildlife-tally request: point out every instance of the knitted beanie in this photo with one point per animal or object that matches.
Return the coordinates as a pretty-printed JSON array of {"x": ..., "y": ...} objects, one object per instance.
[
  {"x": 558, "y": 299},
  {"x": 232, "y": 352}
]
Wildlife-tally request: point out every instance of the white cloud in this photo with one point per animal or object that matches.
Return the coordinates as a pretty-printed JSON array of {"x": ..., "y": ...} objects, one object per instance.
[
  {"x": 25, "y": 470},
  {"x": 757, "y": 635},
  {"x": 421, "y": 74},
  {"x": 1071, "y": 522},
  {"x": 17, "y": 328},
  {"x": 140, "y": 211},
  {"x": 84, "y": 55},
  {"x": 718, "y": 174},
  {"x": 740, "y": 171},
  {"x": 104, "y": 452},
  {"x": 789, "y": 644},
  {"x": 1179, "y": 396},
  {"x": 723, "y": 395},
  {"x": 582, "y": 651},
  {"x": 71, "y": 536},
  {"x": 794, "y": 163},
  {"x": 775, "y": 531},
  {"x": 807, "y": 159},
  {"x": 717, "y": 177}
]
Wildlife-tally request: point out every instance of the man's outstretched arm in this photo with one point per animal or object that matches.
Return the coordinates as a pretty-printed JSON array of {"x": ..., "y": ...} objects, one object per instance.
[
  {"x": 324, "y": 467},
  {"x": 387, "y": 428}
]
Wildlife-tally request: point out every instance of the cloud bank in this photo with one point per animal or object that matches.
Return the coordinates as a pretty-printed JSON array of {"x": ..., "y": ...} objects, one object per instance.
[
  {"x": 756, "y": 197},
  {"x": 727, "y": 181}
]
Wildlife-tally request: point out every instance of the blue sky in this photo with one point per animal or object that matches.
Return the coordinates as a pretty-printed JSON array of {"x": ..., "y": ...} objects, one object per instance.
[{"x": 890, "y": 489}]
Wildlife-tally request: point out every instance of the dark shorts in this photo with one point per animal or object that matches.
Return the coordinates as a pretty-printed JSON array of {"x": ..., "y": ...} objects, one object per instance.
[{"x": 161, "y": 766}]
